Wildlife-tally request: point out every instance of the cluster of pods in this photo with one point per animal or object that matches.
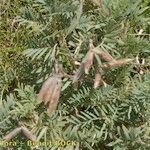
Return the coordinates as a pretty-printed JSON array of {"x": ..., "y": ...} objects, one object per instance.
[{"x": 51, "y": 88}]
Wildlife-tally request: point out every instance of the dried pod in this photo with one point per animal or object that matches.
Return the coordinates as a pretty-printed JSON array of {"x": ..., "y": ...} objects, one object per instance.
[
  {"x": 50, "y": 91},
  {"x": 91, "y": 46},
  {"x": 55, "y": 95},
  {"x": 116, "y": 63},
  {"x": 12, "y": 134},
  {"x": 58, "y": 68},
  {"x": 47, "y": 89},
  {"x": 28, "y": 134},
  {"x": 78, "y": 73},
  {"x": 88, "y": 62},
  {"x": 103, "y": 55},
  {"x": 97, "y": 80}
]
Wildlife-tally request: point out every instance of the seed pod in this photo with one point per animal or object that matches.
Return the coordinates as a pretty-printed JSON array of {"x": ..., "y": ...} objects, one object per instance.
[
  {"x": 28, "y": 134},
  {"x": 50, "y": 91},
  {"x": 88, "y": 60},
  {"x": 116, "y": 63},
  {"x": 97, "y": 80},
  {"x": 58, "y": 68},
  {"x": 103, "y": 55},
  {"x": 55, "y": 95},
  {"x": 47, "y": 90},
  {"x": 91, "y": 46},
  {"x": 12, "y": 134},
  {"x": 86, "y": 63},
  {"x": 78, "y": 73}
]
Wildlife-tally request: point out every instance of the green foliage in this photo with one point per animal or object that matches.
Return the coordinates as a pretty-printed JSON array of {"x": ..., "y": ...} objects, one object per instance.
[{"x": 35, "y": 33}]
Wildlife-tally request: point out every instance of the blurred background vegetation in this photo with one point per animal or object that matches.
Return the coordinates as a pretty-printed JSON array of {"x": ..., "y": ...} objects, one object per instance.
[{"x": 34, "y": 32}]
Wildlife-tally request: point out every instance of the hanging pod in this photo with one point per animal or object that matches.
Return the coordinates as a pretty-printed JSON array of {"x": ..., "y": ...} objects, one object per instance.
[
  {"x": 78, "y": 73},
  {"x": 103, "y": 55},
  {"x": 88, "y": 60},
  {"x": 51, "y": 88},
  {"x": 55, "y": 95},
  {"x": 86, "y": 64},
  {"x": 50, "y": 92},
  {"x": 47, "y": 90},
  {"x": 97, "y": 80},
  {"x": 116, "y": 63}
]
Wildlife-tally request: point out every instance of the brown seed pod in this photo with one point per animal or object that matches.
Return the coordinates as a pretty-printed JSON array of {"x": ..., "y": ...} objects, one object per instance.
[
  {"x": 91, "y": 46},
  {"x": 47, "y": 89},
  {"x": 50, "y": 91},
  {"x": 28, "y": 134},
  {"x": 116, "y": 63},
  {"x": 51, "y": 88},
  {"x": 59, "y": 70},
  {"x": 88, "y": 62},
  {"x": 97, "y": 80},
  {"x": 55, "y": 95},
  {"x": 103, "y": 55},
  {"x": 12, "y": 134},
  {"x": 78, "y": 73}
]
